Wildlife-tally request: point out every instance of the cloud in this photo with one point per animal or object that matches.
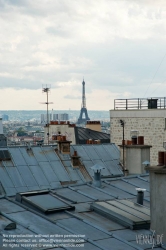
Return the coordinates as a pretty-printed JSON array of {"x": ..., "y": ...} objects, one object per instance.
[
  {"x": 72, "y": 97},
  {"x": 115, "y": 45}
]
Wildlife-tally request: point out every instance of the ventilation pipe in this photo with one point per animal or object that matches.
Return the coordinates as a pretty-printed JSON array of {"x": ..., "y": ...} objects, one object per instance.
[
  {"x": 97, "y": 175},
  {"x": 146, "y": 164},
  {"x": 140, "y": 195}
]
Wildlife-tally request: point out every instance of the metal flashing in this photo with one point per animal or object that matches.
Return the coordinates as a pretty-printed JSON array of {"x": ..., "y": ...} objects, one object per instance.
[{"x": 130, "y": 214}]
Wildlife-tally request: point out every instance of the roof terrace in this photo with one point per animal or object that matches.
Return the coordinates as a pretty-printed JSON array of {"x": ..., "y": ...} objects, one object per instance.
[{"x": 140, "y": 103}]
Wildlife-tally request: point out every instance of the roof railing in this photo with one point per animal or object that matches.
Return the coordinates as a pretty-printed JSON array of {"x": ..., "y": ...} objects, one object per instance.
[{"x": 140, "y": 103}]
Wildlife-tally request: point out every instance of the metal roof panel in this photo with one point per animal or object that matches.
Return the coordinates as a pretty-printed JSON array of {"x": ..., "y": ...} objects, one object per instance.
[
  {"x": 15, "y": 177},
  {"x": 28, "y": 156},
  {"x": 129, "y": 235},
  {"x": 88, "y": 165},
  {"x": 73, "y": 174},
  {"x": 94, "y": 192},
  {"x": 39, "y": 175},
  {"x": 81, "y": 152},
  {"x": 5, "y": 179},
  {"x": 139, "y": 183},
  {"x": 21, "y": 189},
  {"x": 118, "y": 193},
  {"x": 91, "y": 152},
  {"x": 132, "y": 208},
  {"x": 50, "y": 153},
  {"x": 60, "y": 171},
  {"x": 125, "y": 186},
  {"x": 118, "y": 211},
  {"x": 48, "y": 171},
  {"x": 9, "y": 207},
  {"x": 10, "y": 191},
  {"x": 79, "y": 227},
  {"x": 145, "y": 177},
  {"x": 115, "y": 244},
  {"x": 101, "y": 151},
  {"x": 114, "y": 167},
  {"x": 72, "y": 195},
  {"x": 39, "y": 154},
  {"x": 32, "y": 221},
  {"x": 27, "y": 176},
  {"x": 100, "y": 221},
  {"x": 113, "y": 150},
  {"x": 17, "y": 156}
]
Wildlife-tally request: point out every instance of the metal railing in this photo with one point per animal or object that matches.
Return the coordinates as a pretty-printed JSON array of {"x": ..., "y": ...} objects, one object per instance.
[{"x": 141, "y": 103}]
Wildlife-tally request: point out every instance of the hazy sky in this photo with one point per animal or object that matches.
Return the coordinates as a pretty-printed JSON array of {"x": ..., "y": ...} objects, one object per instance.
[{"x": 119, "y": 47}]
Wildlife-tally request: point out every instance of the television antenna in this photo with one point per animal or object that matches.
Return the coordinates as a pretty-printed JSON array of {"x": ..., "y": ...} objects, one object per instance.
[{"x": 46, "y": 89}]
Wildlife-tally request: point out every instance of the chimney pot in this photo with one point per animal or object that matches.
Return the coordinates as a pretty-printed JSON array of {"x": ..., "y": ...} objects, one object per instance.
[
  {"x": 134, "y": 140},
  {"x": 140, "y": 140},
  {"x": 75, "y": 153},
  {"x": 140, "y": 195},
  {"x": 160, "y": 158}
]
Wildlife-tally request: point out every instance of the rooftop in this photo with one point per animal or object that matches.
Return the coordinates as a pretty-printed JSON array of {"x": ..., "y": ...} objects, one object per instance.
[
  {"x": 83, "y": 134},
  {"x": 45, "y": 198},
  {"x": 52, "y": 210}
]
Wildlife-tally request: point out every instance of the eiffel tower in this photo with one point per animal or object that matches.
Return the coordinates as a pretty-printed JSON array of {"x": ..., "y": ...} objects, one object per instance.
[{"x": 83, "y": 107}]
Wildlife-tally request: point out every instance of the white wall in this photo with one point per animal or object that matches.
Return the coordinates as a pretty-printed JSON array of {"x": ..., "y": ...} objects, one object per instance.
[
  {"x": 158, "y": 201},
  {"x": 150, "y": 123},
  {"x": 64, "y": 129}
]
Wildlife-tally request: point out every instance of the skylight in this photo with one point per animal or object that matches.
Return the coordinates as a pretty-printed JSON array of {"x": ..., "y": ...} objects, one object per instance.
[{"x": 43, "y": 201}]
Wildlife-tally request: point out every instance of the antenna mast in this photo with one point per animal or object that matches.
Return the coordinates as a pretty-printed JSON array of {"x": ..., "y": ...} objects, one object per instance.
[{"x": 46, "y": 89}]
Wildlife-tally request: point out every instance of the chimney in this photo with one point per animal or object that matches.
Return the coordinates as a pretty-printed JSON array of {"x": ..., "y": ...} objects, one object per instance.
[
  {"x": 63, "y": 144},
  {"x": 94, "y": 125},
  {"x": 158, "y": 201},
  {"x": 160, "y": 158},
  {"x": 97, "y": 175},
  {"x": 135, "y": 155},
  {"x": 1, "y": 126},
  {"x": 75, "y": 160}
]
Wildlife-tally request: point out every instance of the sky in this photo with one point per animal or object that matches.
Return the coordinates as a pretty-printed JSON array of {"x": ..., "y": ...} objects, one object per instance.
[{"x": 118, "y": 47}]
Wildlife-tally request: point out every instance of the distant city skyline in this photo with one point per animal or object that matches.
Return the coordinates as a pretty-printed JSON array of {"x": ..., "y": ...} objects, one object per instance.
[
  {"x": 28, "y": 115},
  {"x": 118, "y": 47}
]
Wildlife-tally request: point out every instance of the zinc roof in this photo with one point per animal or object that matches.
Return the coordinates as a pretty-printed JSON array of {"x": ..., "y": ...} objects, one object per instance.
[{"x": 31, "y": 175}]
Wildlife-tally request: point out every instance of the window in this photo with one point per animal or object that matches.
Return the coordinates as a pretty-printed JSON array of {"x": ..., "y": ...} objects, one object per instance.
[{"x": 44, "y": 201}]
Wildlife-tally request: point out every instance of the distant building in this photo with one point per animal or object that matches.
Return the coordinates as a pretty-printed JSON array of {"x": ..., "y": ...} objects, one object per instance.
[
  {"x": 44, "y": 118},
  {"x": 3, "y": 139},
  {"x": 60, "y": 117},
  {"x": 147, "y": 116},
  {"x": 77, "y": 135},
  {"x": 5, "y": 117},
  {"x": 94, "y": 125}
]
